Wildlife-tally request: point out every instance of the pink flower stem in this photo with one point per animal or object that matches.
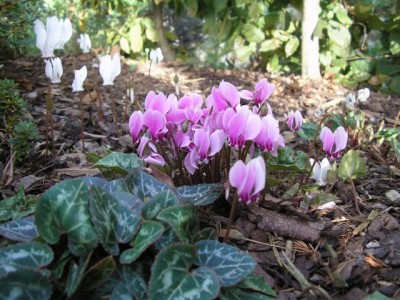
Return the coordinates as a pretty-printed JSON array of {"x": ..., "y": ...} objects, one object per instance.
[
  {"x": 264, "y": 191},
  {"x": 231, "y": 215},
  {"x": 312, "y": 149}
]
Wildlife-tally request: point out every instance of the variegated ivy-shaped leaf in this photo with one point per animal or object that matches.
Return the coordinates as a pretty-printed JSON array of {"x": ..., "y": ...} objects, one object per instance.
[
  {"x": 24, "y": 256},
  {"x": 201, "y": 194},
  {"x": 230, "y": 264},
  {"x": 144, "y": 185},
  {"x": 167, "y": 238},
  {"x": 152, "y": 207},
  {"x": 352, "y": 165},
  {"x": 239, "y": 294},
  {"x": 256, "y": 283},
  {"x": 20, "y": 230},
  {"x": 122, "y": 163},
  {"x": 116, "y": 185},
  {"x": 64, "y": 208},
  {"x": 98, "y": 273},
  {"x": 113, "y": 222},
  {"x": 149, "y": 232},
  {"x": 75, "y": 275},
  {"x": 172, "y": 277},
  {"x": 26, "y": 284},
  {"x": 181, "y": 218}
]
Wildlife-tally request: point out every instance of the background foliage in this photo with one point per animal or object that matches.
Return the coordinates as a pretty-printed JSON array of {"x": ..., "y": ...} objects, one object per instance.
[{"x": 359, "y": 39}]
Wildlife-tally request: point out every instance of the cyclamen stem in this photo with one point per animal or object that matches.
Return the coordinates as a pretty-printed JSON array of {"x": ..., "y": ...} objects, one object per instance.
[
  {"x": 231, "y": 215},
  {"x": 82, "y": 121},
  {"x": 49, "y": 120},
  {"x": 353, "y": 188},
  {"x": 150, "y": 66},
  {"x": 114, "y": 110},
  {"x": 100, "y": 106}
]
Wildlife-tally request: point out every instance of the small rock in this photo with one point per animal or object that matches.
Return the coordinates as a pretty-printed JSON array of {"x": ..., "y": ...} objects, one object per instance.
[
  {"x": 372, "y": 244},
  {"x": 32, "y": 95},
  {"x": 394, "y": 197}
]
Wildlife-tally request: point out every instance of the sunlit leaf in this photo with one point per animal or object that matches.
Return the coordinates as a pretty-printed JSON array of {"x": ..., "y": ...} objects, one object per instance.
[
  {"x": 352, "y": 166},
  {"x": 119, "y": 162},
  {"x": 256, "y": 283},
  {"x": 291, "y": 46}
]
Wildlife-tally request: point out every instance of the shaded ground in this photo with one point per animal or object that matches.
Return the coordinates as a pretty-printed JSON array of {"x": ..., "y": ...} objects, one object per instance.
[{"x": 346, "y": 254}]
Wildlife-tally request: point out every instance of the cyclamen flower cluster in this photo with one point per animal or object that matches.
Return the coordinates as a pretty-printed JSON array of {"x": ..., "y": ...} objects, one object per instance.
[{"x": 199, "y": 130}]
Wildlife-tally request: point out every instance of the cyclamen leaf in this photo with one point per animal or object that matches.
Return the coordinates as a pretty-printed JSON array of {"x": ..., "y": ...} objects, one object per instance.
[
  {"x": 75, "y": 275},
  {"x": 98, "y": 273},
  {"x": 352, "y": 166},
  {"x": 26, "y": 284},
  {"x": 228, "y": 262},
  {"x": 135, "y": 283},
  {"x": 171, "y": 278},
  {"x": 21, "y": 230},
  {"x": 122, "y": 163},
  {"x": 64, "y": 208},
  {"x": 113, "y": 222},
  {"x": 256, "y": 283},
  {"x": 144, "y": 185},
  {"x": 149, "y": 232},
  {"x": 180, "y": 218},
  {"x": 201, "y": 194},
  {"x": 24, "y": 256},
  {"x": 167, "y": 238},
  {"x": 152, "y": 207},
  {"x": 239, "y": 294}
]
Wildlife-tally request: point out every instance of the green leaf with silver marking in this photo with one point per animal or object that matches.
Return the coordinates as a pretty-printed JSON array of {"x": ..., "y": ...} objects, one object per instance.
[{"x": 64, "y": 209}]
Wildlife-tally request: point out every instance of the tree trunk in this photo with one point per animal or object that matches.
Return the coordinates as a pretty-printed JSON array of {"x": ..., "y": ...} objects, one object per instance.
[
  {"x": 309, "y": 44},
  {"x": 166, "y": 49}
]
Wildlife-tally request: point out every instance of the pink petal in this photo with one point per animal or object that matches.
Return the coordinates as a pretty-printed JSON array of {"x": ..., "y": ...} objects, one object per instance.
[
  {"x": 237, "y": 174},
  {"x": 149, "y": 99},
  {"x": 136, "y": 124},
  {"x": 217, "y": 140},
  {"x": 340, "y": 137},
  {"x": 155, "y": 159},
  {"x": 327, "y": 139},
  {"x": 257, "y": 166},
  {"x": 154, "y": 121},
  {"x": 230, "y": 93},
  {"x": 253, "y": 127},
  {"x": 245, "y": 94}
]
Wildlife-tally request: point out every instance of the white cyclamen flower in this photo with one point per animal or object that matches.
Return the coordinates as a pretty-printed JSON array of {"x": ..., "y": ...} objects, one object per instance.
[
  {"x": 80, "y": 76},
  {"x": 109, "y": 68},
  {"x": 84, "y": 42},
  {"x": 320, "y": 171},
  {"x": 156, "y": 56},
  {"x": 53, "y": 36},
  {"x": 66, "y": 33},
  {"x": 363, "y": 94},
  {"x": 350, "y": 100},
  {"x": 54, "y": 69}
]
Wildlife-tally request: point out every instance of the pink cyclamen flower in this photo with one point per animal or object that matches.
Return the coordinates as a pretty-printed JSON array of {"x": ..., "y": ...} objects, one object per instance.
[
  {"x": 205, "y": 146},
  {"x": 240, "y": 126},
  {"x": 154, "y": 120},
  {"x": 269, "y": 138},
  {"x": 136, "y": 122},
  {"x": 226, "y": 95},
  {"x": 295, "y": 120},
  {"x": 153, "y": 158},
  {"x": 262, "y": 91},
  {"x": 335, "y": 142},
  {"x": 248, "y": 179}
]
